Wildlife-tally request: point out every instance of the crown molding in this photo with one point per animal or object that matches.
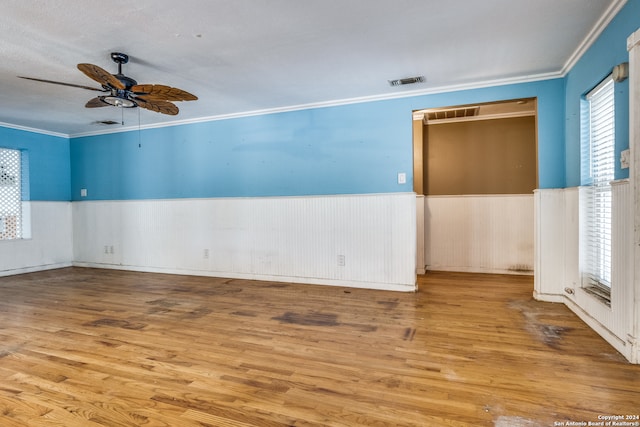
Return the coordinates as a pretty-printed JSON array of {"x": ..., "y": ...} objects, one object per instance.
[
  {"x": 334, "y": 103},
  {"x": 33, "y": 130},
  {"x": 595, "y": 32}
]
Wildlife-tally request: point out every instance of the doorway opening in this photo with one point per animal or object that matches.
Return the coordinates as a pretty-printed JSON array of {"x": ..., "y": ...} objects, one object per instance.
[{"x": 475, "y": 170}]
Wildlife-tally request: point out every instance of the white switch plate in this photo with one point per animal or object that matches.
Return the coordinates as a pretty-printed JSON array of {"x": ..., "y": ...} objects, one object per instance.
[
  {"x": 83, "y": 192},
  {"x": 624, "y": 159},
  {"x": 402, "y": 178}
]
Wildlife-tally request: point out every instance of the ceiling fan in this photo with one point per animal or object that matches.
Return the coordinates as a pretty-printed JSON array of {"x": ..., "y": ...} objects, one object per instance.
[{"x": 125, "y": 92}]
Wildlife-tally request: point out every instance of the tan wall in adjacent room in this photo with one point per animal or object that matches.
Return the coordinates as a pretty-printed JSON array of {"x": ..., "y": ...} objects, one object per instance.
[{"x": 480, "y": 157}]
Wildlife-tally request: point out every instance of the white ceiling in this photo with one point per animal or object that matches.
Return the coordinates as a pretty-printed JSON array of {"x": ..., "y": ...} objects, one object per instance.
[{"x": 241, "y": 56}]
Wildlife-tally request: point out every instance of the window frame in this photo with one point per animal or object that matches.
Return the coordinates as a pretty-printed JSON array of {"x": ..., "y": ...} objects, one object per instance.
[
  {"x": 12, "y": 218},
  {"x": 599, "y": 144}
]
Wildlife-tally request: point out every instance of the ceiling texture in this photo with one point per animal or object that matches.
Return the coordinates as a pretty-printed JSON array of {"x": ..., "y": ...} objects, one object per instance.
[{"x": 243, "y": 57}]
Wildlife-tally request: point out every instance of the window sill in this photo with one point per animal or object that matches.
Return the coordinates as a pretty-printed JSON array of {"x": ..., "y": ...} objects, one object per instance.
[{"x": 601, "y": 294}]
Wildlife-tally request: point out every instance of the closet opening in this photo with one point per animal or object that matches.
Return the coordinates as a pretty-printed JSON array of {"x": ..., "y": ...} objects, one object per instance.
[{"x": 475, "y": 170}]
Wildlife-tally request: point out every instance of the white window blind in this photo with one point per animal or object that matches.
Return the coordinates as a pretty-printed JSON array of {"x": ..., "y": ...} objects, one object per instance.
[{"x": 602, "y": 166}]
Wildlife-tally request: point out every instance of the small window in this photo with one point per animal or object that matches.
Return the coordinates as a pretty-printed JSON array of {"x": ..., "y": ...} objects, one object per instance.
[
  {"x": 599, "y": 174},
  {"x": 10, "y": 194}
]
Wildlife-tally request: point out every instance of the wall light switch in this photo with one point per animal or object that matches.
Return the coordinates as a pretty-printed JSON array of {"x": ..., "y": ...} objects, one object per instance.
[
  {"x": 83, "y": 192},
  {"x": 624, "y": 159},
  {"x": 402, "y": 178}
]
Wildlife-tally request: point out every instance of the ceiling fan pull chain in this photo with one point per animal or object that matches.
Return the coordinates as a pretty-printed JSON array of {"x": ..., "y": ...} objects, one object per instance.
[{"x": 139, "y": 136}]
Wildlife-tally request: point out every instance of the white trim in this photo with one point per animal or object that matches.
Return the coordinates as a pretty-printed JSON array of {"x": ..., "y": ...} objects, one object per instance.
[
  {"x": 249, "y": 276},
  {"x": 538, "y": 296},
  {"x": 23, "y": 270},
  {"x": 462, "y": 196},
  {"x": 595, "y": 32},
  {"x": 34, "y": 130},
  {"x": 620, "y": 181},
  {"x": 511, "y": 115},
  {"x": 633, "y": 40},
  {"x": 481, "y": 270},
  {"x": 303, "y": 196},
  {"x": 620, "y": 344},
  {"x": 633, "y": 45},
  {"x": 334, "y": 103}
]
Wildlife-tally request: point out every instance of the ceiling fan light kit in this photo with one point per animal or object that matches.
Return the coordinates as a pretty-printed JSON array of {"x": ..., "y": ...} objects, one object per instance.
[
  {"x": 125, "y": 92},
  {"x": 118, "y": 101}
]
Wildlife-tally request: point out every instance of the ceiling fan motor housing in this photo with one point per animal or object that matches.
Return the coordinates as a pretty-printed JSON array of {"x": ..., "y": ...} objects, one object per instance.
[{"x": 128, "y": 82}]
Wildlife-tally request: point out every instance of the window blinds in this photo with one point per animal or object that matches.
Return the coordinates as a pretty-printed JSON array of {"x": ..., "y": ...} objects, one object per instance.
[{"x": 602, "y": 165}]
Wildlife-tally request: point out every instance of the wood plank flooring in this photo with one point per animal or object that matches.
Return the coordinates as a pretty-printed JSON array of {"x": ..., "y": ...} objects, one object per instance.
[{"x": 88, "y": 347}]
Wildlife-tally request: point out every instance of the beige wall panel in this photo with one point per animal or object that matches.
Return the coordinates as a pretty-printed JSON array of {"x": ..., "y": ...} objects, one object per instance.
[{"x": 480, "y": 157}]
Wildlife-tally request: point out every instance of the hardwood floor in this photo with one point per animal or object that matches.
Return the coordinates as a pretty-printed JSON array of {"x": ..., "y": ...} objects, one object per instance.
[{"x": 87, "y": 347}]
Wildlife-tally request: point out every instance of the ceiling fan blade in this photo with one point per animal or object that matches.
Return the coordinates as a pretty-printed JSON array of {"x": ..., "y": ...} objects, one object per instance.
[
  {"x": 101, "y": 76},
  {"x": 162, "y": 92},
  {"x": 164, "y": 107},
  {"x": 62, "y": 83},
  {"x": 96, "y": 103}
]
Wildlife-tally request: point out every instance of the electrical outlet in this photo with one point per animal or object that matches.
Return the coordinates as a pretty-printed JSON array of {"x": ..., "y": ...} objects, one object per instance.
[
  {"x": 205, "y": 254},
  {"x": 111, "y": 250},
  {"x": 106, "y": 249},
  {"x": 340, "y": 260}
]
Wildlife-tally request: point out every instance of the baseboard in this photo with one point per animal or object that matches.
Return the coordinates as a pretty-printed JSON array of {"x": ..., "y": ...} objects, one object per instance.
[
  {"x": 482, "y": 270},
  {"x": 548, "y": 297},
  {"x": 248, "y": 276},
  {"x": 34, "y": 269},
  {"x": 635, "y": 350},
  {"x": 625, "y": 348}
]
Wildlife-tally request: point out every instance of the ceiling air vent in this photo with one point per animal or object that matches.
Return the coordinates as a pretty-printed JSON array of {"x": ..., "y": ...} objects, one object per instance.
[
  {"x": 106, "y": 122},
  {"x": 407, "y": 81},
  {"x": 451, "y": 113}
]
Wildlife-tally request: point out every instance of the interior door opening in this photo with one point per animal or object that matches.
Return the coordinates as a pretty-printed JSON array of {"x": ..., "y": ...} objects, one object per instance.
[{"x": 475, "y": 169}]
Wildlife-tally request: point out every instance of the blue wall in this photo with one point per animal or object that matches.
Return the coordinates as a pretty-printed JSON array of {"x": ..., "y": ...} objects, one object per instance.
[
  {"x": 349, "y": 149},
  {"x": 609, "y": 50},
  {"x": 49, "y": 163}
]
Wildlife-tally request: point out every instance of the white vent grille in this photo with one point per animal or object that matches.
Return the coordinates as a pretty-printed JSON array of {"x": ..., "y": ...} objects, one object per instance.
[
  {"x": 451, "y": 113},
  {"x": 10, "y": 195},
  {"x": 407, "y": 81}
]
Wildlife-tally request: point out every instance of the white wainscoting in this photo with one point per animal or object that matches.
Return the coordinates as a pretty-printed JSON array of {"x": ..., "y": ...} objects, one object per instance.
[
  {"x": 550, "y": 241},
  {"x": 559, "y": 225},
  {"x": 484, "y": 234},
  {"x": 351, "y": 240},
  {"x": 420, "y": 241},
  {"x": 49, "y": 244}
]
